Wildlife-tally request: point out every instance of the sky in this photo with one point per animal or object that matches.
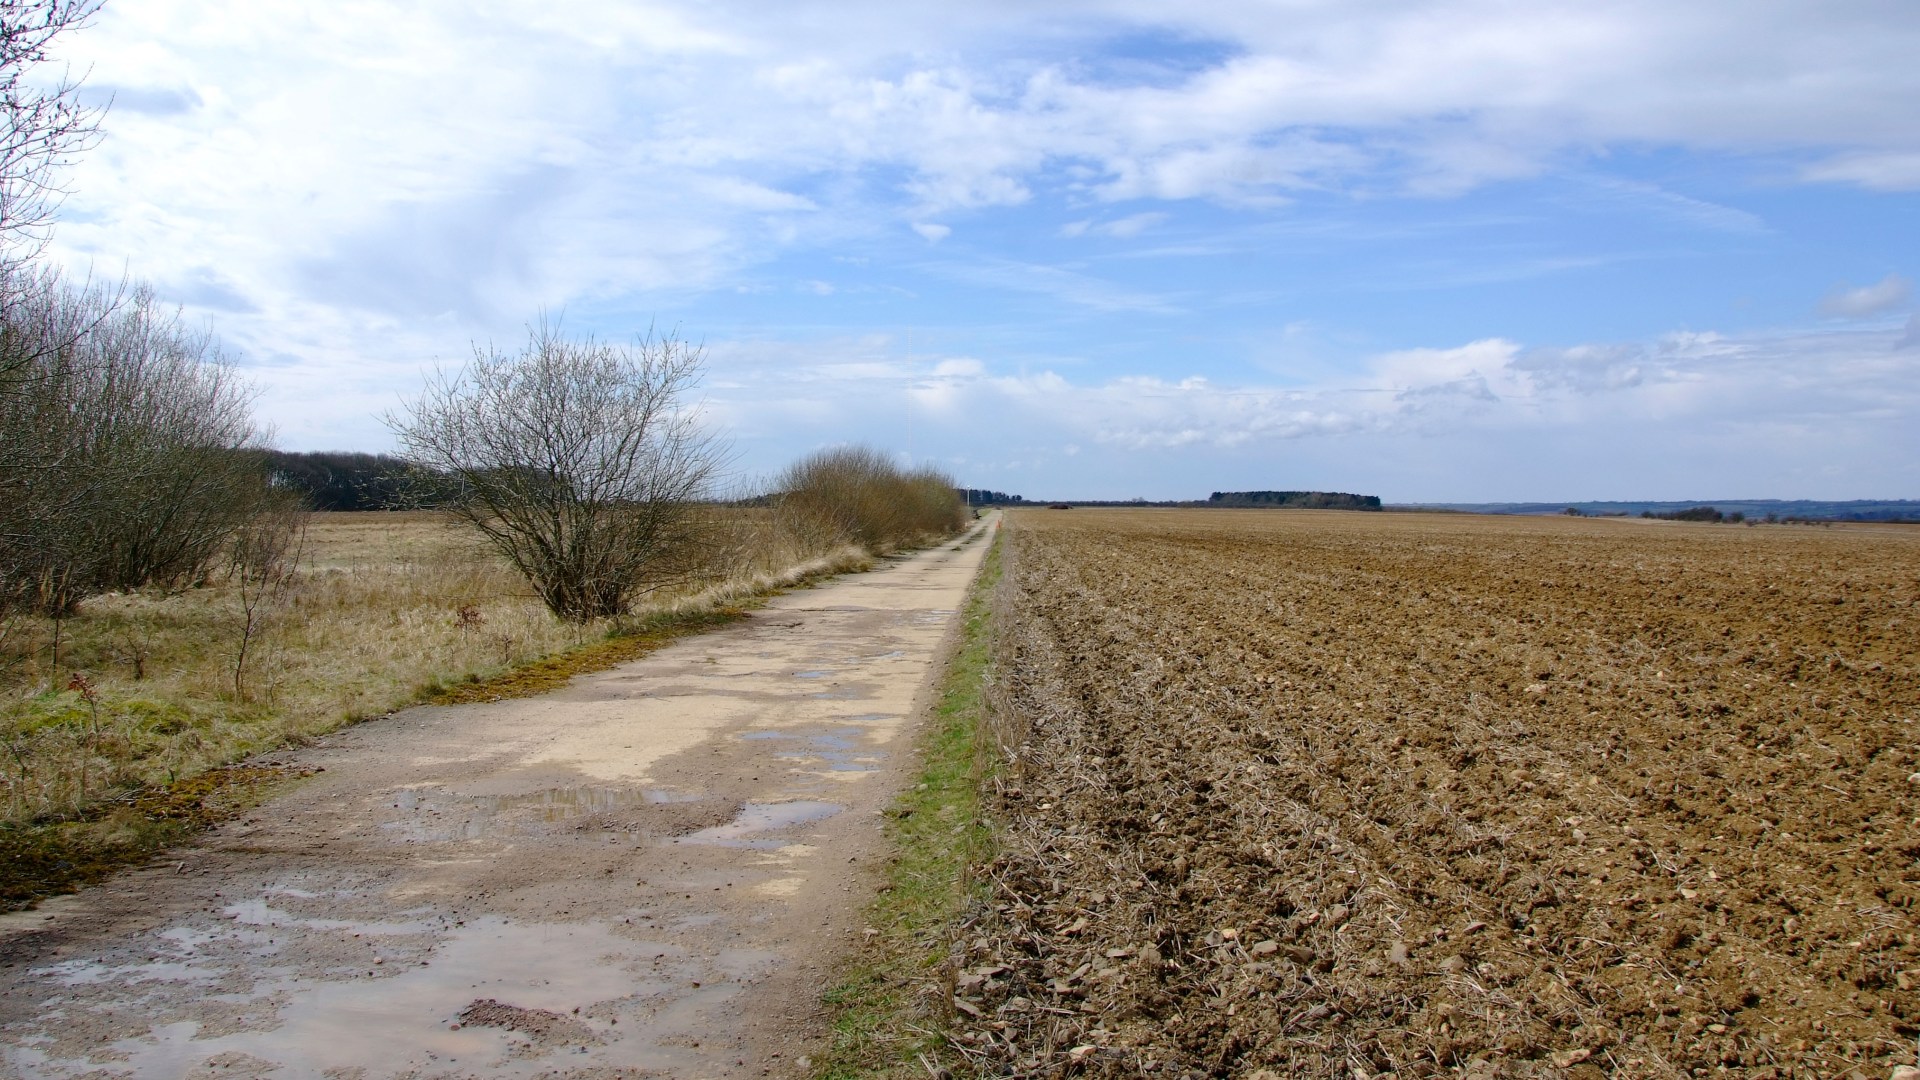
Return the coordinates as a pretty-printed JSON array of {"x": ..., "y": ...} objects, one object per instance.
[{"x": 1483, "y": 250}]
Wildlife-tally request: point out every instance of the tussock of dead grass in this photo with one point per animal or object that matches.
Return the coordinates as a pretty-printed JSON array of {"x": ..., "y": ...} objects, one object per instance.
[{"x": 388, "y": 610}]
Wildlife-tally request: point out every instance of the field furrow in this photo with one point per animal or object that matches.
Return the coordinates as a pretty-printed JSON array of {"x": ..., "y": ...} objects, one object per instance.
[{"x": 1344, "y": 794}]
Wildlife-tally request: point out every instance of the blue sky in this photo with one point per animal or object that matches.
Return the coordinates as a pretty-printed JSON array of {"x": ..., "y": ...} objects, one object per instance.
[{"x": 1447, "y": 252}]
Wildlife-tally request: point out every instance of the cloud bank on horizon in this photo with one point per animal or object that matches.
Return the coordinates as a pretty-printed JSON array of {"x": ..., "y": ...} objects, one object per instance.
[{"x": 1479, "y": 251}]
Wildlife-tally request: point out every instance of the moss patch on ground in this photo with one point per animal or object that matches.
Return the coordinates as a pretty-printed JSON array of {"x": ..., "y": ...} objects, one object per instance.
[
  {"x": 41, "y": 859},
  {"x": 884, "y": 1024},
  {"x": 553, "y": 672}
]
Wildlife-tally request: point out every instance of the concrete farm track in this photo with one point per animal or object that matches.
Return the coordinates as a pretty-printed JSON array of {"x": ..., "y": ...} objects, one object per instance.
[{"x": 648, "y": 873}]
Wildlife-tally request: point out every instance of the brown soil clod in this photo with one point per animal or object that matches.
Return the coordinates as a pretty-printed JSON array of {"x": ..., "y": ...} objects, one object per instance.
[
  {"x": 1508, "y": 797},
  {"x": 543, "y": 1027}
]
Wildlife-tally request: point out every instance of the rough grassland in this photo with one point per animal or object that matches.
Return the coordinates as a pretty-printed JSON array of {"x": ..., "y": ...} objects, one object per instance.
[
  {"x": 1305, "y": 793},
  {"x": 112, "y": 746}
]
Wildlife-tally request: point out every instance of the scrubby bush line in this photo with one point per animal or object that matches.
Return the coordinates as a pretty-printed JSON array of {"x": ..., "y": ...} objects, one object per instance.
[{"x": 857, "y": 495}]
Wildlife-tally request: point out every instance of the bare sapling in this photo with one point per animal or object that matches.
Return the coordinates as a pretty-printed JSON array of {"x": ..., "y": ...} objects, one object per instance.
[{"x": 265, "y": 569}]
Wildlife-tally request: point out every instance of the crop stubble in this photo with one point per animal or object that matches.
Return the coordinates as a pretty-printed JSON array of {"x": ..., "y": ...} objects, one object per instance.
[{"x": 1345, "y": 794}]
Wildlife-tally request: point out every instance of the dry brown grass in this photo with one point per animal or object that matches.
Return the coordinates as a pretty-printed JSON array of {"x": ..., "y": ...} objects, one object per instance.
[{"x": 386, "y": 609}]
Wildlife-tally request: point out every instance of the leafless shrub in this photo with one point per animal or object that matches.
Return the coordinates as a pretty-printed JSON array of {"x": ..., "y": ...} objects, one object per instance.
[
  {"x": 265, "y": 568},
  {"x": 857, "y": 495},
  {"x": 128, "y": 452},
  {"x": 579, "y": 460}
]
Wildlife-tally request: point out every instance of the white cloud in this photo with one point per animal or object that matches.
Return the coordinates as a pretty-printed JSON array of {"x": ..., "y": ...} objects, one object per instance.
[
  {"x": 1680, "y": 379},
  {"x": 1120, "y": 228},
  {"x": 1882, "y": 296},
  {"x": 1877, "y": 171},
  {"x": 960, "y": 367},
  {"x": 358, "y": 190},
  {"x": 1057, "y": 283},
  {"x": 1669, "y": 417},
  {"x": 1426, "y": 369}
]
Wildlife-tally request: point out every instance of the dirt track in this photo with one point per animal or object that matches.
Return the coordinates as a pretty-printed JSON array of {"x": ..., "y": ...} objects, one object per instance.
[
  {"x": 645, "y": 874},
  {"x": 1359, "y": 794}
]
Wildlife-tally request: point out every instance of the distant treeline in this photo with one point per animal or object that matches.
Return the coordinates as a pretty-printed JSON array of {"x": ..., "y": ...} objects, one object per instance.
[
  {"x": 1886, "y": 510},
  {"x": 1697, "y": 513},
  {"x": 341, "y": 480},
  {"x": 1288, "y": 500},
  {"x": 1296, "y": 500},
  {"x": 338, "y": 480}
]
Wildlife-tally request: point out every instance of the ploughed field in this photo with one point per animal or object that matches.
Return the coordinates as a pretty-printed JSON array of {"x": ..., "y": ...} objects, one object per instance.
[{"x": 1350, "y": 794}]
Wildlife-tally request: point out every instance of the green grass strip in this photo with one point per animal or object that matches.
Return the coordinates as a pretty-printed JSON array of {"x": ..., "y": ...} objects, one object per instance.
[{"x": 882, "y": 1023}]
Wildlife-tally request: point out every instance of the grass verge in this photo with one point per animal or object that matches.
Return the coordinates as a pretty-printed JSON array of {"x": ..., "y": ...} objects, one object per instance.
[
  {"x": 58, "y": 853},
  {"x": 883, "y": 1024},
  {"x": 42, "y": 859},
  {"x": 553, "y": 672}
]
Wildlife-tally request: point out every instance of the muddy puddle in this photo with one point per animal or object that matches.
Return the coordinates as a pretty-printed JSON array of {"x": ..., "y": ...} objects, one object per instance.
[
  {"x": 748, "y": 827},
  {"x": 842, "y": 749},
  {"x": 408, "y": 1011}
]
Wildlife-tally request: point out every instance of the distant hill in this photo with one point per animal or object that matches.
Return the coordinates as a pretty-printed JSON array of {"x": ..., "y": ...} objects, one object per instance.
[
  {"x": 1751, "y": 509},
  {"x": 1295, "y": 500}
]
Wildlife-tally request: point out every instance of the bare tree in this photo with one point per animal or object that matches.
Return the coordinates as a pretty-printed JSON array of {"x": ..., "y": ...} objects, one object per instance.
[
  {"x": 128, "y": 451},
  {"x": 581, "y": 461},
  {"x": 45, "y": 124}
]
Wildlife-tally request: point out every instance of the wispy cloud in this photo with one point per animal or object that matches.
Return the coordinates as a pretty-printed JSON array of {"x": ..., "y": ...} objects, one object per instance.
[
  {"x": 1674, "y": 206},
  {"x": 1056, "y": 283},
  {"x": 1896, "y": 171},
  {"x": 1846, "y": 302},
  {"x": 1119, "y": 228}
]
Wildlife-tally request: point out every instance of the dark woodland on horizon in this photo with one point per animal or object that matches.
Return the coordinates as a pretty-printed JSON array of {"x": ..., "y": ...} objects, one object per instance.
[{"x": 350, "y": 480}]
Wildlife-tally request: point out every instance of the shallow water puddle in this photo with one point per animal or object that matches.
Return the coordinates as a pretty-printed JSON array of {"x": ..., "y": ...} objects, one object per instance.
[
  {"x": 839, "y": 749},
  {"x": 632, "y": 991},
  {"x": 757, "y": 818},
  {"x": 845, "y": 694}
]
